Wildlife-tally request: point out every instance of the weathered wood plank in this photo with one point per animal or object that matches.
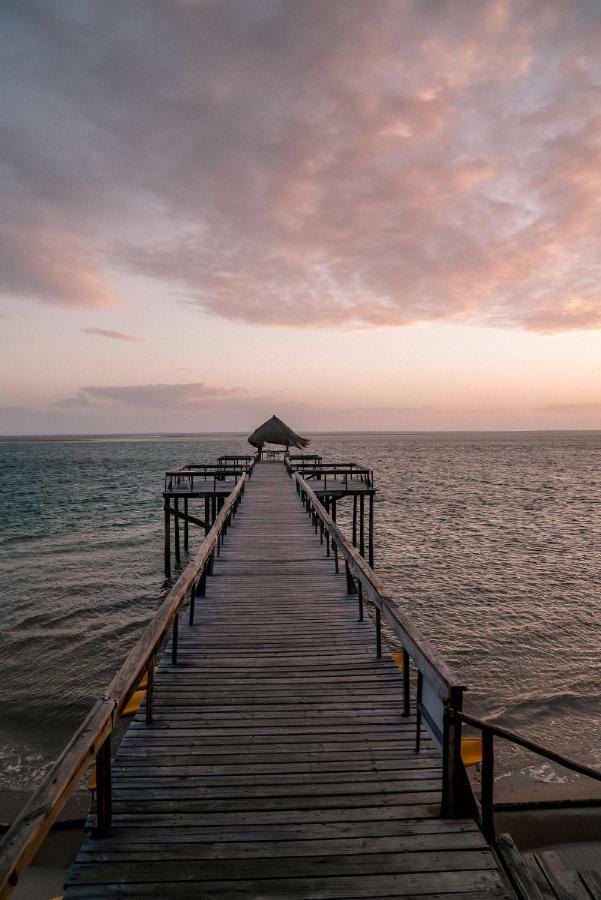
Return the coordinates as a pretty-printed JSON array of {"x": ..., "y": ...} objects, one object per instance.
[
  {"x": 107, "y": 850},
  {"x": 518, "y": 871},
  {"x": 110, "y": 867},
  {"x": 283, "y": 833},
  {"x": 434, "y": 885}
]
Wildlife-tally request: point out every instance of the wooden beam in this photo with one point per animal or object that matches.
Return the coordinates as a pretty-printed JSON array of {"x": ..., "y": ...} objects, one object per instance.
[
  {"x": 178, "y": 555},
  {"x": 167, "y": 538},
  {"x": 192, "y": 519},
  {"x": 186, "y": 535}
]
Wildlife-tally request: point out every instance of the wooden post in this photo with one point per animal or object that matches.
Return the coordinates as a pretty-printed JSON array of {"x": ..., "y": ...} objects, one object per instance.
[
  {"x": 350, "y": 584},
  {"x": 149, "y": 691},
  {"x": 378, "y": 633},
  {"x": 207, "y": 515},
  {"x": 178, "y": 555},
  {"x": 453, "y": 801},
  {"x": 186, "y": 524},
  {"x": 406, "y": 685},
  {"x": 167, "y": 538},
  {"x": 418, "y": 712},
  {"x": 362, "y": 525},
  {"x": 354, "y": 520},
  {"x": 103, "y": 788},
  {"x": 371, "y": 530},
  {"x": 360, "y": 593},
  {"x": 488, "y": 776},
  {"x": 334, "y": 545},
  {"x": 213, "y": 509},
  {"x": 174, "y": 637},
  {"x": 192, "y": 601}
]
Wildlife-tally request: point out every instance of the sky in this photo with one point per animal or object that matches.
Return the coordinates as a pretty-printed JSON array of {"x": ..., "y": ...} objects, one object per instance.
[{"x": 357, "y": 214}]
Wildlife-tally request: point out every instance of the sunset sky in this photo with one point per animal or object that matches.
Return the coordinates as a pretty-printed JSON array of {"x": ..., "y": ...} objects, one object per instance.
[{"x": 359, "y": 214}]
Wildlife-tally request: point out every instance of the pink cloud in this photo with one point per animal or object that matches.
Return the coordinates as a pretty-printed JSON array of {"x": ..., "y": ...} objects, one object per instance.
[
  {"x": 155, "y": 396},
  {"x": 45, "y": 261},
  {"x": 108, "y": 333},
  {"x": 316, "y": 164}
]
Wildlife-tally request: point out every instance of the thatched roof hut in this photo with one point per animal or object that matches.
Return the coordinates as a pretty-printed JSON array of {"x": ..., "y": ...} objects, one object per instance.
[{"x": 274, "y": 431}]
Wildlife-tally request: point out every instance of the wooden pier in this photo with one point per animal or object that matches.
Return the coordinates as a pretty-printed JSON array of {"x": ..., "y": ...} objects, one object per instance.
[
  {"x": 280, "y": 750},
  {"x": 279, "y": 762}
]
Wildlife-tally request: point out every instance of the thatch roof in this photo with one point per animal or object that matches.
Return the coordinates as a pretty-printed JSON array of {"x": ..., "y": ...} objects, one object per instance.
[{"x": 274, "y": 431}]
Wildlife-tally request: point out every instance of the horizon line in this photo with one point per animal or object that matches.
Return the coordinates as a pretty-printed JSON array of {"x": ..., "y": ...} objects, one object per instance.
[{"x": 83, "y": 436}]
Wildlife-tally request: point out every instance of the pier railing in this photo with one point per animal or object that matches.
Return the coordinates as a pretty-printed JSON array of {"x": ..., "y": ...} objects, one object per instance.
[
  {"x": 439, "y": 694},
  {"x": 92, "y": 740},
  {"x": 489, "y": 732},
  {"x": 237, "y": 459},
  {"x": 339, "y": 472},
  {"x": 301, "y": 458},
  {"x": 203, "y": 472}
]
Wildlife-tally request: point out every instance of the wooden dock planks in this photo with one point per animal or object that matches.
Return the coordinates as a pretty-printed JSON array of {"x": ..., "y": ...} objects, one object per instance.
[{"x": 278, "y": 763}]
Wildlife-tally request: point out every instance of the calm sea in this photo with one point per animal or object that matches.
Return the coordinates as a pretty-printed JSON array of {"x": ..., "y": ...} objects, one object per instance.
[{"x": 492, "y": 543}]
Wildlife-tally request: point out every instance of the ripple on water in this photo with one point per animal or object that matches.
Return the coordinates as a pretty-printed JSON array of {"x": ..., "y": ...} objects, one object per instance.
[{"x": 491, "y": 542}]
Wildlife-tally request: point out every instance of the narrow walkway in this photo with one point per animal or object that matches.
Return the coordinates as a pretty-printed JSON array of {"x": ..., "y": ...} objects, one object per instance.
[{"x": 278, "y": 764}]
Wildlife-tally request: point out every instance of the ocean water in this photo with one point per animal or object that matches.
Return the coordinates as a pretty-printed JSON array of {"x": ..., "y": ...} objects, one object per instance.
[{"x": 490, "y": 541}]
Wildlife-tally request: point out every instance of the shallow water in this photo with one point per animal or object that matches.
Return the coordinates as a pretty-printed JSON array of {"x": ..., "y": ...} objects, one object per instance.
[{"x": 490, "y": 541}]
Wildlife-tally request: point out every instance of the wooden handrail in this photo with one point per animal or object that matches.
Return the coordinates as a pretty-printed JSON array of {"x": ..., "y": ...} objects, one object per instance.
[
  {"x": 210, "y": 470},
  {"x": 328, "y": 467},
  {"x": 435, "y": 680},
  {"x": 427, "y": 659},
  {"x": 29, "y": 829},
  {"x": 310, "y": 471},
  {"x": 532, "y": 746},
  {"x": 128, "y": 676},
  {"x": 489, "y": 732},
  {"x": 23, "y": 839}
]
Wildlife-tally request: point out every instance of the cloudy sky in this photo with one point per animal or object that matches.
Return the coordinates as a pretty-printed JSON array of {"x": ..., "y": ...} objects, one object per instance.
[{"x": 377, "y": 214}]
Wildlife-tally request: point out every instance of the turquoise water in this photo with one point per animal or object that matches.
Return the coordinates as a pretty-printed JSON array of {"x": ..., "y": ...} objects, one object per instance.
[{"x": 490, "y": 541}]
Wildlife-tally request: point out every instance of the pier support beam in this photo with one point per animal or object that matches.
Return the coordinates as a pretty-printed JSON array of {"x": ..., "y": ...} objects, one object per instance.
[
  {"x": 354, "y": 520},
  {"x": 104, "y": 810},
  {"x": 167, "y": 538},
  {"x": 150, "y": 691},
  {"x": 333, "y": 514},
  {"x": 178, "y": 553},
  {"x": 186, "y": 535},
  {"x": 362, "y": 525},
  {"x": 371, "y": 531}
]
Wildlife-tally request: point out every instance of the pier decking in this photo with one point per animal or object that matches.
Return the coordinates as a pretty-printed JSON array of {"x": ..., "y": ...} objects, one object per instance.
[{"x": 279, "y": 762}]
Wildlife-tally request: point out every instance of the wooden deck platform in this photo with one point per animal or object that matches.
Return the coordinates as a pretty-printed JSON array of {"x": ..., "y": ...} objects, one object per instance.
[
  {"x": 335, "y": 487},
  {"x": 278, "y": 763},
  {"x": 201, "y": 488}
]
